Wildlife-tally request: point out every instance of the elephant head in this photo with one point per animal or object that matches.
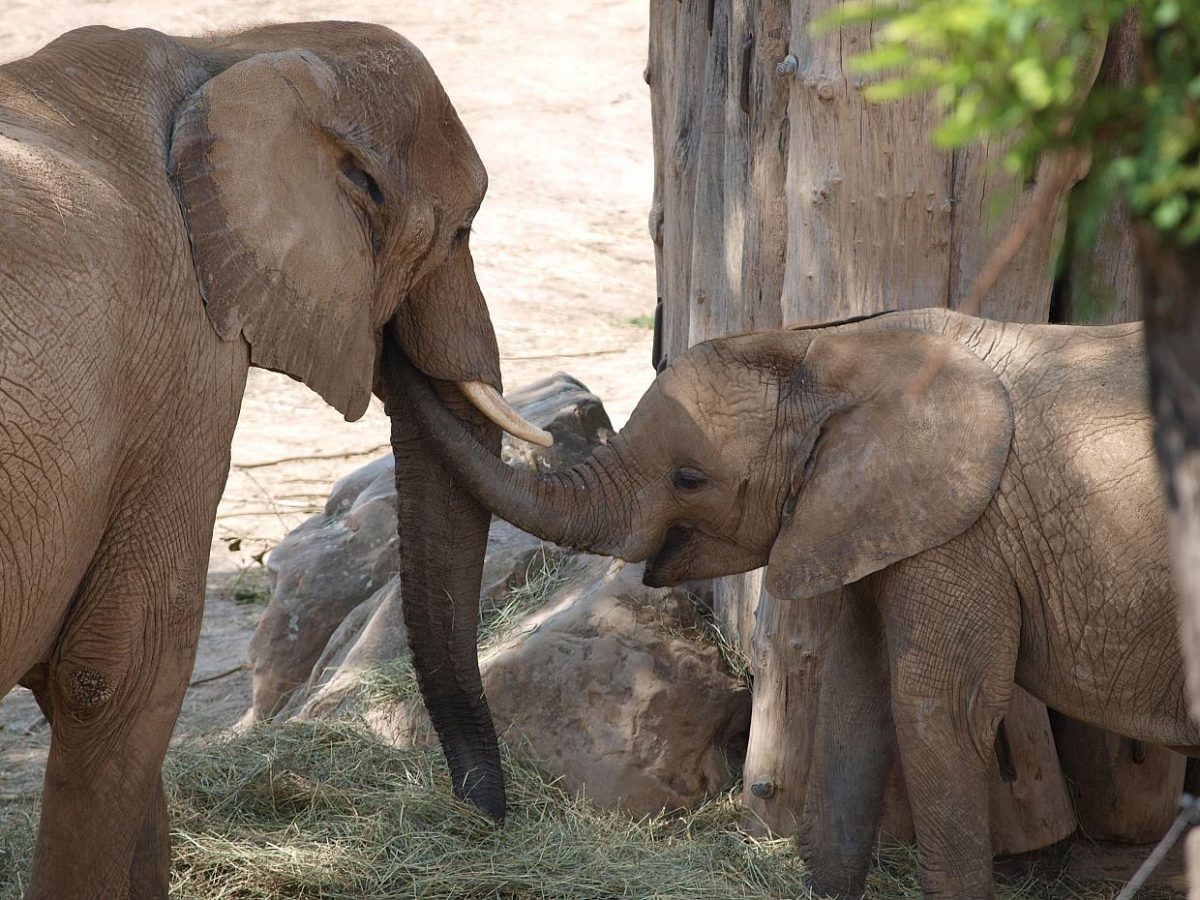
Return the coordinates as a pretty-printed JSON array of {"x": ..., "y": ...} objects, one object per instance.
[
  {"x": 826, "y": 454},
  {"x": 328, "y": 189}
]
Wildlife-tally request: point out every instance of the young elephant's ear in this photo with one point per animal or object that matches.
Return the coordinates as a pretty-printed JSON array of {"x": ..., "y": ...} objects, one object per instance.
[
  {"x": 281, "y": 252},
  {"x": 908, "y": 457}
]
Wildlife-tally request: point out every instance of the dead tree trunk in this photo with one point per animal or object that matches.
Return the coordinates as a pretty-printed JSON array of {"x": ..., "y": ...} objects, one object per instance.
[
  {"x": 1172, "y": 283},
  {"x": 1121, "y": 789},
  {"x": 782, "y": 197}
]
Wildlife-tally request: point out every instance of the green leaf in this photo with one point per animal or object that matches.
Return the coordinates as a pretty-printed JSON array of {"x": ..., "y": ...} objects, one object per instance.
[
  {"x": 1167, "y": 14},
  {"x": 1032, "y": 82},
  {"x": 1168, "y": 214}
]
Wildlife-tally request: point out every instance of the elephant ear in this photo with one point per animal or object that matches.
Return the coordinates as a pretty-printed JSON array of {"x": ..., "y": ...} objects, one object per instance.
[
  {"x": 911, "y": 450},
  {"x": 282, "y": 255}
]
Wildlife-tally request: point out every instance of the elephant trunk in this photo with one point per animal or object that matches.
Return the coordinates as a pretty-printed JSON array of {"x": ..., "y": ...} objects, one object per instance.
[
  {"x": 443, "y": 538},
  {"x": 586, "y": 507}
]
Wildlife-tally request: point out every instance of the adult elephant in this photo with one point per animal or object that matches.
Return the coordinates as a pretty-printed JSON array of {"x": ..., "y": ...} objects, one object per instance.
[
  {"x": 983, "y": 493},
  {"x": 172, "y": 211}
]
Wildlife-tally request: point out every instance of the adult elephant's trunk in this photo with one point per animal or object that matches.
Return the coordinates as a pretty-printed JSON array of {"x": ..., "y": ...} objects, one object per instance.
[
  {"x": 443, "y": 536},
  {"x": 588, "y": 507}
]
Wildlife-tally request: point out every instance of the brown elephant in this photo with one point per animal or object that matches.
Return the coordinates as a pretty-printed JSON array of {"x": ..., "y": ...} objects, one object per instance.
[
  {"x": 984, "y": 495},
  {"x": 172, "y": 211}
]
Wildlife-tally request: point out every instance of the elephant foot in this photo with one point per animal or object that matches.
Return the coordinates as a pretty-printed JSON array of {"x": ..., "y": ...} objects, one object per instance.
[
  {"x": 835, "y": 881},
  {"x": 974, "y": 886},
  {"x": 821, "y": 889}
]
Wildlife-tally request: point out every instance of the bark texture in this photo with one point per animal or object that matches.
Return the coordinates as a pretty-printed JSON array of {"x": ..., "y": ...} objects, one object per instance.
[
  {"x": 1172, "y": 291},
  {"x": 1122, "y": 790},
  {"x": 782, "y": 197}
]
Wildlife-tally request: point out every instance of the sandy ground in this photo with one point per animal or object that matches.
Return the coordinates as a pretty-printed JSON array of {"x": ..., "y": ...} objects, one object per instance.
[{"x": 552, "y": 94}]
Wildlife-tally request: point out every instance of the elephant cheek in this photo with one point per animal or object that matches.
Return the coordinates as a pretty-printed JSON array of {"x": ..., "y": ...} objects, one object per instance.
[
  {"x": 668, "y": 567},
  {"x": 444, "y": 328}
]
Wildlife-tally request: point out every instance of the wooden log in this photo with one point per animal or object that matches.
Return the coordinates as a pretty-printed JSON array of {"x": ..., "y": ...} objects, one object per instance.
[
  {"x": 1030, "y": 808},
  {"x": 787, "y": 660},
  {"x": 679, "y": 64},
  {"x": 1123, "y": 790},
  {"x": 1103, "y": 279}
]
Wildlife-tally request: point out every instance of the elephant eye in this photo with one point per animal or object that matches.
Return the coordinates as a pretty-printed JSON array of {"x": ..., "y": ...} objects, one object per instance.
[
  {"x": 462, "y": 234},
  {"x": 361, "y": 178},
  {"x": 688, "y": 479}
]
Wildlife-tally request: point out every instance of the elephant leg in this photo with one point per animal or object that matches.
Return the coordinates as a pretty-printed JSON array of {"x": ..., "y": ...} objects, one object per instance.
[
  {"x": 853, "y": 752},
  {"x": 952, "y": 647},
  {"x": 114, "y": 686},
  {"x": 150, "y": 870}
]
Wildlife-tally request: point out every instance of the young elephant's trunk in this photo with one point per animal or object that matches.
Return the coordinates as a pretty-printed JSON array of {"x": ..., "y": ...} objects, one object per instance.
[{"x": 587, "y": 507}]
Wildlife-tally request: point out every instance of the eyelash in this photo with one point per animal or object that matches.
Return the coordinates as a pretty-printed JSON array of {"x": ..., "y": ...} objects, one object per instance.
[{"x": 688, "y": 481}]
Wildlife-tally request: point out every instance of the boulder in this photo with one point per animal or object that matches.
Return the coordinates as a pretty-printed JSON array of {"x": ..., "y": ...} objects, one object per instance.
[
  {"x": 608, "y": 685},
  {"x": 332, "y": 575},
  {"x": 613, "y": 689},
  {"x": 320, "y": 573}
]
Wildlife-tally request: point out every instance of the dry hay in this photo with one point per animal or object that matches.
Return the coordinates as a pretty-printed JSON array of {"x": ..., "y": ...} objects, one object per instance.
[
  {"x": 328, "y": 810},
  {"x": 318, "y": 809}
]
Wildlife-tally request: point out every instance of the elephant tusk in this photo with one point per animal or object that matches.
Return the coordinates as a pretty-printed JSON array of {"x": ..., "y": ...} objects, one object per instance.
[{"x": 492, "y": 404}]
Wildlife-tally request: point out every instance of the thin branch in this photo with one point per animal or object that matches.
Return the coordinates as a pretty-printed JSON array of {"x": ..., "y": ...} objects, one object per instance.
[
  {"x": 313, "y": 456},
  {"x": 1050, "y": 189},
  {"x": 275, "y": 513},
  {"x": 568, "y": 355},
  {"x": 219, "y": 675}
]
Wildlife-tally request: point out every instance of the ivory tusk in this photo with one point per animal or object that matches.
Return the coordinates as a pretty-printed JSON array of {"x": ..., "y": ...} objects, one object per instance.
[{"x": 492, "y": 404}]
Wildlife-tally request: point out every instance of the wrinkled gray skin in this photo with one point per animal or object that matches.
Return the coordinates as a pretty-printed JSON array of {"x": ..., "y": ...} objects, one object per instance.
[
  {"x": 985, "y": 492},
  {"x": 173, "y": 210}
]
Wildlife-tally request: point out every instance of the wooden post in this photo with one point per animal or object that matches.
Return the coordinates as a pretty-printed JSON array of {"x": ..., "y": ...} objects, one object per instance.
[{"x": 783, "y": 197}]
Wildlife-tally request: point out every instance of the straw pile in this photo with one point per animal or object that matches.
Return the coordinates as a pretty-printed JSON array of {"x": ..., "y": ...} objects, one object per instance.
[{"x": 327, "y": 810}]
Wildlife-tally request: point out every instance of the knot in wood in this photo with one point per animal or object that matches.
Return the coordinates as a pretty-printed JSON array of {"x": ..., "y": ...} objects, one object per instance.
[
  {"x": 763, "y": 788},
  {"x": 822, "y": 87}
]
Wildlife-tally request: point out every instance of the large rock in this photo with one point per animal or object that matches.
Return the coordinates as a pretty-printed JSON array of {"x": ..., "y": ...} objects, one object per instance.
[
  {"x": 612, "y": 689},
  {"x": 610, "y": 686},
  {"x": 320, "y": 573},
  {"x": 336, "y": 573},
  {"x": 373, "y": 633}
]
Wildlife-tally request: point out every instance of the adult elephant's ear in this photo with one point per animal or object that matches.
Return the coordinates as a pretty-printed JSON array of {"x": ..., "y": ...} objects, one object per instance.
[
  {"x": 281, "y": 253},
  {"x": 911, "y": 449}
]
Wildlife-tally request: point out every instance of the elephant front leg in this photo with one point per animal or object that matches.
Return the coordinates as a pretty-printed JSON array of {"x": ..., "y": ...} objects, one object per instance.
[
  {"x": 952, "y": 660},
  {"x": 113, "y": 689},
  {"x": 853, "y": 752},
  {"x": 150, "y": 870}
]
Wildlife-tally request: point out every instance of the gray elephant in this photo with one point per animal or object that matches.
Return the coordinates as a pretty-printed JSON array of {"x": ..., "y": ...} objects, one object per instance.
[
  {"x": 172, "y": 211},
  {"x": 983, "y": 493}
]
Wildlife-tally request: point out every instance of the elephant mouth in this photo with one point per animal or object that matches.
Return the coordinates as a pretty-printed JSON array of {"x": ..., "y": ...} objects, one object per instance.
[{"x": 665, "y": 568}]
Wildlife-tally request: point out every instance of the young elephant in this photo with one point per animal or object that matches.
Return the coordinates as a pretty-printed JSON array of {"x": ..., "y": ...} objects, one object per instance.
[
  {"x": 173, "y": 210},
  {"x": 984, "y": 492}
]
